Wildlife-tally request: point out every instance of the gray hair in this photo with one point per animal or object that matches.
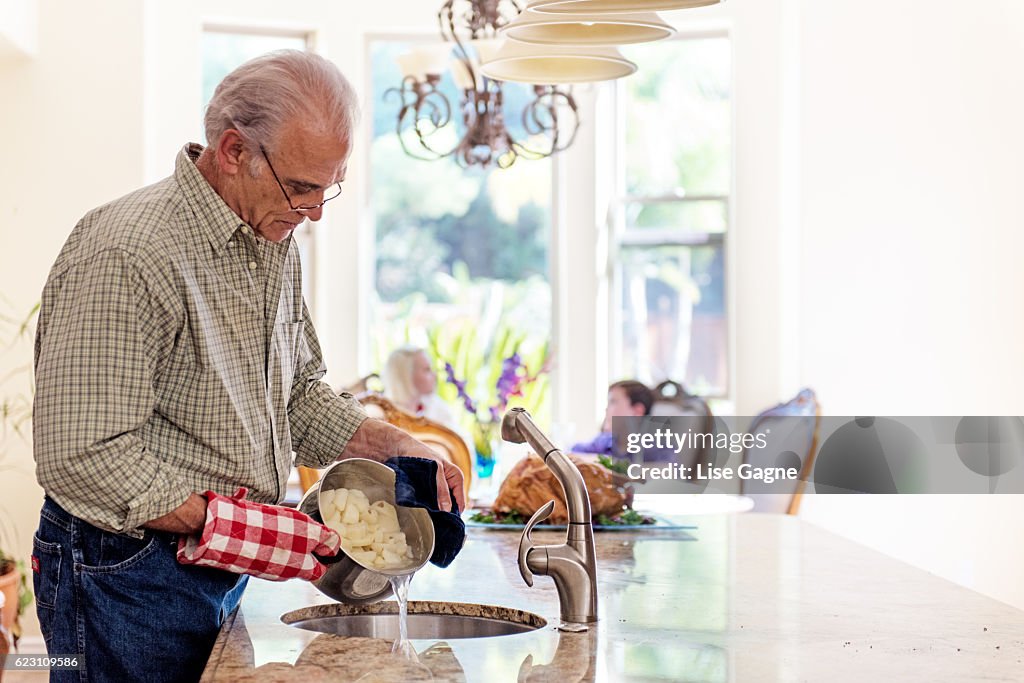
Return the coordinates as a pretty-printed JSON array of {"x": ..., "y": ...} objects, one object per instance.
[
  {"x": 397, "y": 375},
  {"x": 262, "y": 95}
]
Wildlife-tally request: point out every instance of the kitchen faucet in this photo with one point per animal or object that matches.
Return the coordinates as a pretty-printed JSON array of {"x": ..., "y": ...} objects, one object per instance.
[{"x": 572, "y": 565}]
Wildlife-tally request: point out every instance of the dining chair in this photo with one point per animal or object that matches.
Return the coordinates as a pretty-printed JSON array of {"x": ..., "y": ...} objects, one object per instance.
[
  {"x": 441, "y": 439},
  {"x": 790, "y": 431},
  {"x": 365, "y": 385},
  {"x": 671, "y": 399}
]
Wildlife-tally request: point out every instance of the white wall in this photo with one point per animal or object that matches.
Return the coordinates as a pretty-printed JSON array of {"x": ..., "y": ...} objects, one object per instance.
[
  {"x": 912, "y": 225},
  {"x": 18, "y": 20},
  {"x": 912, "y": 206},
  {"x": 72, "y": 135}
]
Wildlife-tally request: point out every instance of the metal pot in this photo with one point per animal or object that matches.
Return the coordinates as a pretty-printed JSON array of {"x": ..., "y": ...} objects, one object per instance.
[{"x": 347, "y": 580}]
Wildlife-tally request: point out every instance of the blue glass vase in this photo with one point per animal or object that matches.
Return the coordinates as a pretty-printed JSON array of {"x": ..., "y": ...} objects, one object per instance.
[
  {"x": 484, "y": 463},
  {"x": 485, "y": 449}
]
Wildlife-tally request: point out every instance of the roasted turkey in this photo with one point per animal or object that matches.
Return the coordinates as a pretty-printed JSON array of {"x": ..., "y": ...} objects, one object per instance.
[{"x": 531, "y": 484}]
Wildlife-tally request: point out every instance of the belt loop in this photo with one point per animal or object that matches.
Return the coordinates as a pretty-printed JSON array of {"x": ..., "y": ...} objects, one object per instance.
[{"x": 76, "y": 541}]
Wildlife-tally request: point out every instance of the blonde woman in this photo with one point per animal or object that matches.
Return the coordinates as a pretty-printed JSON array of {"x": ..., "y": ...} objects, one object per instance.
[{"x": 410, "y": 382}]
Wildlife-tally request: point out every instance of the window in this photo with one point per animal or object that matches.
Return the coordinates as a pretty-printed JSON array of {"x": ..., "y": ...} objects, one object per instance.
[
  {"x": 461, "y": 253},
  {"x": 669, "y": 316},
  {"x": 226, "y": 48},
  {"x": 223, "y": 50}
]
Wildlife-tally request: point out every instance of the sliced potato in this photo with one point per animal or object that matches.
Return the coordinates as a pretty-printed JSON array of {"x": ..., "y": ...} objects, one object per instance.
[
  {"x": 370, "y": 516},
  {"x": 340, "y": 498},
  {"x": 370, "y": 532},
  {"x": 351, "y": 515}
]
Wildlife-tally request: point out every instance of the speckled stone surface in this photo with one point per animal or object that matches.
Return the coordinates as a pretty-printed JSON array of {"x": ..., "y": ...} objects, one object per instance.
[{"x": 742, "y": 598}]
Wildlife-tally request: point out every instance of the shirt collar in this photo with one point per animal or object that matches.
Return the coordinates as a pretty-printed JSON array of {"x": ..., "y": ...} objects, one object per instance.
[{"x": 218, "y": 220}]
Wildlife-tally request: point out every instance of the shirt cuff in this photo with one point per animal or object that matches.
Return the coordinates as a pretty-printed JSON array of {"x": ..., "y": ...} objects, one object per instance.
[
  {"x": 165, "y": 494},
  {"x": 322, "y": 424}
]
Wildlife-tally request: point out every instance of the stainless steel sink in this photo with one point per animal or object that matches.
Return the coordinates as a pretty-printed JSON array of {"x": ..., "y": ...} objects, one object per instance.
[{"x": 427, "y": 620}]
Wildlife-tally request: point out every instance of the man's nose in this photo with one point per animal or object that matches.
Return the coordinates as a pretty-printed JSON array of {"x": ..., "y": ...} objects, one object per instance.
[{"x": 313, "y": 214}]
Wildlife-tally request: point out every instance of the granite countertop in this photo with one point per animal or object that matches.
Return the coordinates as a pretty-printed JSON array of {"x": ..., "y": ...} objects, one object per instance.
[{"x": 741, "y": 598}]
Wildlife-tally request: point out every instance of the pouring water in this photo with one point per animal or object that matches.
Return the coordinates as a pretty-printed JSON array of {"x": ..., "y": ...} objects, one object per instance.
[{"x": 400, "y": 586}]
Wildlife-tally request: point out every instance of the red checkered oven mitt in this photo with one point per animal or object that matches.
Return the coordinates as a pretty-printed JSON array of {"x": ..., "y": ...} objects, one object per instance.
[{"x": 268, "y": 541}]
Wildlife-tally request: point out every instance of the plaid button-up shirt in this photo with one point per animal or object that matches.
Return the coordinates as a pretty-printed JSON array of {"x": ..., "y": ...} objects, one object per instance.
[{"x": 174, "y": 354}]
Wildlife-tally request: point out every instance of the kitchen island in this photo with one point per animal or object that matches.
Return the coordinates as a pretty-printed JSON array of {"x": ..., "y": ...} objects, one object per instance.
[{"x": 743, "y": 598}]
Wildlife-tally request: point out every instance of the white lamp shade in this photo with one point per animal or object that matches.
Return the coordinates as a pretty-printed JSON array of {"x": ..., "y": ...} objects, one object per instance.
[
  {"x": 424, "y": 59},
  {"x": 555, "y": 65},
  {"x": 434, "y": 57},
  {"x": 460, "y": 73},
  {"x": 486, "y": 48},
  {"x": 616, "y": 6},
  {"x": 409, "y": 65},
  {"x": 586, "y": 29}
]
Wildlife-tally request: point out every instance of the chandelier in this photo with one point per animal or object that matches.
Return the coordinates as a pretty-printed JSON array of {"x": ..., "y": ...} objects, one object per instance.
[
  {"x": 470, "y": 30},
  {"x": 546, "y": 44}
]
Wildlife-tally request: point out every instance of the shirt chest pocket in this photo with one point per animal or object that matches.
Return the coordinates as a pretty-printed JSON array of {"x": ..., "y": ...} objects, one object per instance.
[{"x": 287, "y": 344}]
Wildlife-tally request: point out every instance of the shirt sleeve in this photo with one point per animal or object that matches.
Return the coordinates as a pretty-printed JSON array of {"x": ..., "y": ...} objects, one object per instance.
[
  {"x": 602, "y": 444},
  {"x": 98, "y": 345},
  {"x": 321, "y": 421}
]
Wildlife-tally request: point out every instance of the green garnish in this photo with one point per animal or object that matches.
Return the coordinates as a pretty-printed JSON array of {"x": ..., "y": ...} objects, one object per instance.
[
  {"x": 514, "y": 518},
  {"x": 633, "y": 518},
  {"x": 617, "y": 466},
  {"x": 624, "y": 518}
]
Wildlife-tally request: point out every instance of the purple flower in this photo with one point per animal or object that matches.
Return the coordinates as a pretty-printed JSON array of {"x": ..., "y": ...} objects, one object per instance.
[
  {"x": 514, "y": 376},
  {"x": 508, "y": 382},
  {"x": 467, "y": 402}
]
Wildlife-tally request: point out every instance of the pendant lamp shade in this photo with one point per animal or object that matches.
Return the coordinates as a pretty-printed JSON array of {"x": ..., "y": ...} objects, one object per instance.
[
  {"x": 485, "y": 48},
  {"x": 555, "y": 65},
  {"x": 585, "y": 29},
  {"x": 615, "y": 6},
  {"x": 424, "y": 59}
]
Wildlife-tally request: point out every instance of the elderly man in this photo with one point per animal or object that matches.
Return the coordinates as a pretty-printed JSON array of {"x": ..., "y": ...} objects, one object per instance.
[{"x": 176, "y": 368}]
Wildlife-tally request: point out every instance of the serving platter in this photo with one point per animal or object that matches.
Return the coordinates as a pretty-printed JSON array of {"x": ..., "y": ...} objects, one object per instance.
[{"x": 660, "y": 524}]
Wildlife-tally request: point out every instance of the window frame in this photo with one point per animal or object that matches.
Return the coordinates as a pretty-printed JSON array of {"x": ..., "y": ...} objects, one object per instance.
[
  {"x": 368, "y": 262},
  {"x": 622, "y": 238}
]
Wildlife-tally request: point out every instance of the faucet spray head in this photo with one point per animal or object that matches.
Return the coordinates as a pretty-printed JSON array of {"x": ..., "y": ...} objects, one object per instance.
[
  {"x": 517, "y": 427},
  {"x": 510, "y": 427}
]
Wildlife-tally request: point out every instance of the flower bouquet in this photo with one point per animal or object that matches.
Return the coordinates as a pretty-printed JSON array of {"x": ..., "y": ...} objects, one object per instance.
[{"x": 487, "y": 383}]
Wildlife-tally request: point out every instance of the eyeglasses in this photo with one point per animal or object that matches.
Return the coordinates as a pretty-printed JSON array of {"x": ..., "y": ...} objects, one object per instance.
[{"x": 331, "y": 192}]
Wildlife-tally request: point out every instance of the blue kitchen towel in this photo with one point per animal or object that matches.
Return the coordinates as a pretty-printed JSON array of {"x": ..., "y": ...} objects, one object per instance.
[{"x": 416, "y": 487}]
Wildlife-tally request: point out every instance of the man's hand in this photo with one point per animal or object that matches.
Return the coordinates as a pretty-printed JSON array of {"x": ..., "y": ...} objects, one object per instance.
[
  {"x": 448, "y": 475},
  {"x": 268, "y": 541},
  {"x": 187, "y": 518},
  {"x": 378, "y": 440}
]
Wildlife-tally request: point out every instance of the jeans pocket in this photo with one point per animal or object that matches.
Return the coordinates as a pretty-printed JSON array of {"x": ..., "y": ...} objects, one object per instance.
[
  {"x": 46, "y": 559},
  {"x": 119, "y": 553}
]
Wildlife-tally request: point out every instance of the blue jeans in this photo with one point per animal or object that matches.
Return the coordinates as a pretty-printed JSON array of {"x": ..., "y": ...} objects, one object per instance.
[{"x": 125, "y": 603}]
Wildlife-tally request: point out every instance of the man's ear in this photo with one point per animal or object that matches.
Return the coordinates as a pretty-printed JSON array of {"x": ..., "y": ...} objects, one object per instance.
[
  {"x": 638, "y": 409},
  {"x": 229, "y": 152}
]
